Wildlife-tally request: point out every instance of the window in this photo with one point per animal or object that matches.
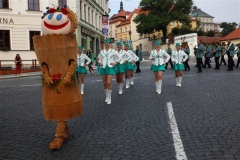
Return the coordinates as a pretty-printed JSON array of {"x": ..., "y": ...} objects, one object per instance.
[
  {"x": 31, "y": 34},
  {"x": 115, "y": 35},
  {"x": 4, "y": 4},
  {"x": 125, "y": 29},
  {"x": 61, "y": 3},
  {"x": 5, "y": 40},
  {"x": 33, "y": 5},
  {"x": 120, "y": 30}
]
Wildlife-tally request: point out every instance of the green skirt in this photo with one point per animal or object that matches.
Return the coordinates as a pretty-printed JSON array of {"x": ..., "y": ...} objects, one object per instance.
[
  {"x": 130, "y": 66},
  {"x": 158, "y": 68},
  {"x": 107, "y": 70},
  {"x": 178, "y": 67},
  {"x": 81, "y": 70},
  {"x": 120, "y": 68}
]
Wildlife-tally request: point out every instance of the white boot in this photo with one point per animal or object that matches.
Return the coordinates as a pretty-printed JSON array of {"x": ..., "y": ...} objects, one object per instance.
[
  {"x": 177, "y": 82},
  {"x": 131, "y": 81},
  {"x": 180, "y": 81},
  {"x": 159, "y": 86},
  {"x": 127, "y": 83},
  {"x": 109, "y": 96},
  {"x": 106, "y": 92},
  {"x": 82, "y": 88},
  {"x": 120, "y": 88}
]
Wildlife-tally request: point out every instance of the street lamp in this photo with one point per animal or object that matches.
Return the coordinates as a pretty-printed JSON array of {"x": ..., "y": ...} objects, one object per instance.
[{"x": 130, "y": 32}]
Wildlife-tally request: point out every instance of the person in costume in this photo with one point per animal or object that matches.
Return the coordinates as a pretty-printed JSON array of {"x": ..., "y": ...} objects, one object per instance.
[
  {"x": 120, "y": 67},
  {"x": 230, "y": 53},
  {"x": 132, "y": 58},
  {"x": 207, "y": 56},
  {"x": 108, "y": 58},
  {"x": 158, "y": 65},
  {"x": 237, "y": 51},
  {"x": 178, "y": 58},
  {"x": 217, "y": 54},
  {"x": 56, "y": 52},
  {"x": 199, "y": 49},
  {"x": 81, "y": 66}
]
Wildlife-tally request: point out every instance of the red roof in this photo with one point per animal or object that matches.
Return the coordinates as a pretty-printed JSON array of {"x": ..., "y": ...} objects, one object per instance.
[
  {"x": 120, "y": 16},
  {"x": 233, "y": 35},
  {"x": 128, "y": 20},
  {"x": 205, "y": 39}
]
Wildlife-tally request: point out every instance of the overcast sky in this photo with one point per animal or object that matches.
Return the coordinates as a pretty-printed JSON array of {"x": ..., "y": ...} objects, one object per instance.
[{"x": 221, "y": 10}]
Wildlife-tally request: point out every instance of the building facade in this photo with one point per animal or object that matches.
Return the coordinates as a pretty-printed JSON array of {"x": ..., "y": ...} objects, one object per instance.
[
  {"x": 207, "y": 21},
  {"x": 20, "y": 20}
]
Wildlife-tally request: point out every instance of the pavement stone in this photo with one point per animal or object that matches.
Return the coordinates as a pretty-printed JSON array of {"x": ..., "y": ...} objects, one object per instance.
[{"x": 135, "y": 125}]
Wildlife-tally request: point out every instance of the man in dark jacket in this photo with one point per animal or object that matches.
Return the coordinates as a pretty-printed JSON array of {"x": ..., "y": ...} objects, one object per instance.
[{"x": 138, "y": 52}]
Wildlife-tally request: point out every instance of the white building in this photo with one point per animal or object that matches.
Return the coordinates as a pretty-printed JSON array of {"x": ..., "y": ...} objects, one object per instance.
[
  {"x": 20, "y": 20},
  {"x": 207, "y": 21}
]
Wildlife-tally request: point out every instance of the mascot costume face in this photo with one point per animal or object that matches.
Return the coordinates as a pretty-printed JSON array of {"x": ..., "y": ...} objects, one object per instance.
[{"x": 56, "y": 52}]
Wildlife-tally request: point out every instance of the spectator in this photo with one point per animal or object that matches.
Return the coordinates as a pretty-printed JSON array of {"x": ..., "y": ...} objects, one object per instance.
[{"x": 18, "y": 63}]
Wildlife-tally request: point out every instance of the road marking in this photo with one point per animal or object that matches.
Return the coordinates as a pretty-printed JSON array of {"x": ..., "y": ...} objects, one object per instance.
[{"x": 179, "y": 149}]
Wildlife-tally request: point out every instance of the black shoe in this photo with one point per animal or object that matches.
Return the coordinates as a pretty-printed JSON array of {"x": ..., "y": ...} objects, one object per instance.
[
  {"x": 208, "y": 67},
  {"x": 230, "y": 70},
  {"x": 199, "y": 71},
  {"x": 216, "y": 68}
]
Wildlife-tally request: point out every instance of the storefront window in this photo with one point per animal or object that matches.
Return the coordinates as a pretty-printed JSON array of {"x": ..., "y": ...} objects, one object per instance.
[
  {"x": 31, "y": 34},
  {"x": 4, "y": 4},
  {"x": 5, "y": 40}
]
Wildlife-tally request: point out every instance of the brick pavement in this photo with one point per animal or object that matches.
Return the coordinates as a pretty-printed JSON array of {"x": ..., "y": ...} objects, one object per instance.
[{"x": 134, "y": 126}]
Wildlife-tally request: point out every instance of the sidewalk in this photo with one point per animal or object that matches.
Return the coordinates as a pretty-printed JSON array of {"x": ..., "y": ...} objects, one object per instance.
[{"x": 20, "y": 76}]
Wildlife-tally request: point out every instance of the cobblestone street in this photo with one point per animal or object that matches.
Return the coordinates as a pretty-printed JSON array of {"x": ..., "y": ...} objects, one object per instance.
[{"x": 136, "y": 125}]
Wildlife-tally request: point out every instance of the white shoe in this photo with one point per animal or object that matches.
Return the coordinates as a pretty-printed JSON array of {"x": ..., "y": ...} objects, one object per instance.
[
  {"x": 109, "y": 96},
  {"x": 127, "y": 83},
  {"x": 120, "y": 88},
  {"x": 180, "y": 81},
  {"x": 177, "y": 82},
  {"x": 131, "y": 81},
  {"x": 82, "y": 88},
  {"x": 159, "y": 86},
  {"x": 106, "y": 92}
]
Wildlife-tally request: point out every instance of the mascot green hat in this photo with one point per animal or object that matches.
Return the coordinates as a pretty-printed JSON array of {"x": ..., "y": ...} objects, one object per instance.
[
  {"x": 119, "y": 44},
  {"x": 80, "y": 47},
  {"x": 177, "y": 44},
  {"x": 126, "y": 45},
  {"x": 107, "y": 40}
]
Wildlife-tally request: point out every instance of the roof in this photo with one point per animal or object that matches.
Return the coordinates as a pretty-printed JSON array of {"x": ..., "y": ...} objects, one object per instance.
[
  {"x": 128, "y": 20},
  {"x": 205, "y": 39},
  {"x": 199, "y": 13},
  {"x": 233, "y": 35},
  {"x": 120, "y": 16}
]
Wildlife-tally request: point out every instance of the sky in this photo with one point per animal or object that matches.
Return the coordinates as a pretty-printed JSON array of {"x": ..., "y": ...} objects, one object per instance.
[{"x": 221, "y": 10}]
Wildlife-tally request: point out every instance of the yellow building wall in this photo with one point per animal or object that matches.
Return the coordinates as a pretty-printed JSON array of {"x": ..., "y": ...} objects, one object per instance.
[{"x": 124, "y": 34}]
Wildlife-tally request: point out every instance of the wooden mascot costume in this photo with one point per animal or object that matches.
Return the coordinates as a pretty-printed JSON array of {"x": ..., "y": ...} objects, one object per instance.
[{"x": 56, "y": 52}]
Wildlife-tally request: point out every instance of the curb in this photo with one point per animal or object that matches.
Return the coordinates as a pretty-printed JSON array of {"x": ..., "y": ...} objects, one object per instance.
[{"x": 19, "y": 76}]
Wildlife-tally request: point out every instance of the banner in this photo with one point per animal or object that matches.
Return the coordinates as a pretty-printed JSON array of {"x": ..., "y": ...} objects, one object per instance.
[{"x": 105, "y": 25}]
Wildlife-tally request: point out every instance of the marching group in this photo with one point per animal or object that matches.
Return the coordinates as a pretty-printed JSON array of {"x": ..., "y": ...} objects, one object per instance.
[{"x": 125, "y": 61}]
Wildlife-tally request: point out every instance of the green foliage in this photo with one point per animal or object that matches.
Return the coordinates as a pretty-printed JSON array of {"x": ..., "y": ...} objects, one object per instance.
[
  {"x": 175, "y": 31},
  {"x": 228, "y": 27},
  {"x": 210, "y": 33},
  {"x": 200, "y": 32},
  {"x": 156, "y": 15}
]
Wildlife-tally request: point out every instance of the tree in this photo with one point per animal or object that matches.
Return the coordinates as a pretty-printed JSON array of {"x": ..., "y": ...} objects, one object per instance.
[
  {"x": 228, "y": 27},
  {"x": 156, "y": 15},
  {"x": 200, "y": 32},
  {"x": 210, "y": 33}
]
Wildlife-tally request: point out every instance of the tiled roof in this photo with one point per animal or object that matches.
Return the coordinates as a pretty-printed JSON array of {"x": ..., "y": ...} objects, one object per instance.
[
  {"x": 199, "y": 13},
  {"x": 233, "y": 35},
  {"x": 120, "y": 14},
  {"x": 128, "y": 20},
  {"x": 205, "y": 39}
]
